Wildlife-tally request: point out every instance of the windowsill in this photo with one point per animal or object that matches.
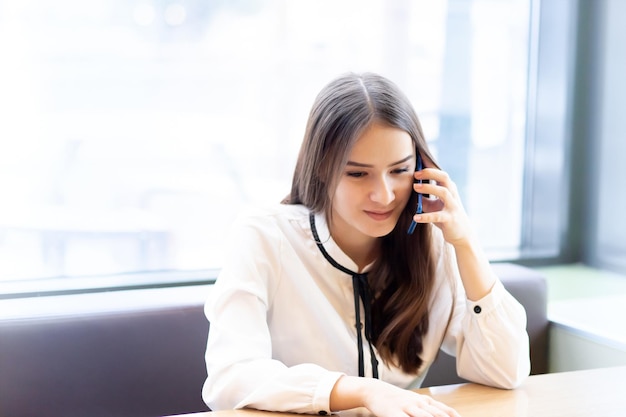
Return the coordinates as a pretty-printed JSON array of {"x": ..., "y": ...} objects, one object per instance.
[
  {"x": 109, "y": 302},
  {"x": 588, "y": 302},
  {"x": 115, "y": 282},
  {"x": 577, "y": 281}
]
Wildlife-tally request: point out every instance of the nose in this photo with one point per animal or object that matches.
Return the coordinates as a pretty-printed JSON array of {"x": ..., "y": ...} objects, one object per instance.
[{"x": 382, "y": 191}]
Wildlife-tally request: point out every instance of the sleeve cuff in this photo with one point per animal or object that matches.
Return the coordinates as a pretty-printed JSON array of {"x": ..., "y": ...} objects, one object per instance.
[
  {"x": 489, "y": 302},
  {"x": 321, "y": 398}
]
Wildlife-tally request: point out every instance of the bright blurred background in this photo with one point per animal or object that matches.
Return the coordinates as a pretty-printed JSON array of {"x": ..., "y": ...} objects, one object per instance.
[{"x": 133, "y": 132}]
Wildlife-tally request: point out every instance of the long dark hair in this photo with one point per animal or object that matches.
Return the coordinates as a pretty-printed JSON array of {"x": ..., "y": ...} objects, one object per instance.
[{"x": 401, "y": 279}]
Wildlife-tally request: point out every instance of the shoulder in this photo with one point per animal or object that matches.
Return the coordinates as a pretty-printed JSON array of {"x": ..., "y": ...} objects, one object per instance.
[
  {"x": 260, "y": 234},
  {"x": 272, "y": 215},
  {"x": 268, "y": 221}
]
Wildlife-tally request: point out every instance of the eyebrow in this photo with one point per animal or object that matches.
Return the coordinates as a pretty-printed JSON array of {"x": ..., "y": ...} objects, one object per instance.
[{"x": 359, "y": 164}]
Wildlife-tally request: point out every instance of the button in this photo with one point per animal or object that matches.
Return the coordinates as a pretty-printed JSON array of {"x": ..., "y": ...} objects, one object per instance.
[
  {"x": 322, "y": 413},
  {"x": 477, "y": 309}
]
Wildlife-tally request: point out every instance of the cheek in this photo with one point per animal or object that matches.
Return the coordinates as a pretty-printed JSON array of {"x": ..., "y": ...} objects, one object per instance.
[
  {"x": 347, "y": 198},
  {"x": 344, "y": 194},
  {"x": 404, "y": 189}
]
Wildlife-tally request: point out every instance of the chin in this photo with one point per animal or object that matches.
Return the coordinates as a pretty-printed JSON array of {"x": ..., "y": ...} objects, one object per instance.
[{"x": 381, "y": 230}]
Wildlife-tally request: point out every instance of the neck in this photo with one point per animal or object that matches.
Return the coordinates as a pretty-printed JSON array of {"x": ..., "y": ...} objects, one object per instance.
[
  {"x": 363, "y": 250},
  {"x": 362, "y": 256}
]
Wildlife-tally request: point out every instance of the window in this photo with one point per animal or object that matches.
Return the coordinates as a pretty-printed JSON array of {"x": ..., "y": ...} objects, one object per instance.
[{"x": 133, "y": 132}]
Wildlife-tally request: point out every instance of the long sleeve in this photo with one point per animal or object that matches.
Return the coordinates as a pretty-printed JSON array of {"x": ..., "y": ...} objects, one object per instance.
[
  {"x": 488, "y": 337},
  {"x": 242, "y": 369},
  {"x": 241, "y": 372}
]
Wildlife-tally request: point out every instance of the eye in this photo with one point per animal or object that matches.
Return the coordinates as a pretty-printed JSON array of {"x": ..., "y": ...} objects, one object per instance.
[
  {"x": 355, "y": 174},
  {"x": 400, "y": 170}
]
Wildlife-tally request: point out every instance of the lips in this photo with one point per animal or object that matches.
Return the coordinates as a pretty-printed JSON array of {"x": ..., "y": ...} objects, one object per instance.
[{"x": 379, "y": 215}]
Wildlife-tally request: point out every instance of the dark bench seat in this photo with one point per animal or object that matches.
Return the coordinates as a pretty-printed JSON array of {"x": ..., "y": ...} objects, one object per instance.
[{"x": 113, "y": 356}]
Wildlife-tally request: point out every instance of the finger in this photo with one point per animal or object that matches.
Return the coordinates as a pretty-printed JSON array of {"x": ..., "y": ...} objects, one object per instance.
[
  {"x": 436, "y": 217},
  {"x": 437, "y": 190},
  {"x": 443, "y": 408},
  {"x": 436, "y": 411},
  {"x": 440, "y": 177},
  {"x": 419, "y": 411},
  {"x": 430, "y": 408},
  {"x": 432, "y": 174},
  {"x": 431, "y": 205}
]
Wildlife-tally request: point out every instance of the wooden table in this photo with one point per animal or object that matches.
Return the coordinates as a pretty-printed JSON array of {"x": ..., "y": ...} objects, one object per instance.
[{"x": 589, "y": 393}]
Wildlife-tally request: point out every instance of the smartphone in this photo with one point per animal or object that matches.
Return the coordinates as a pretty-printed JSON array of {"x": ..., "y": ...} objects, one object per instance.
[{"x": 418, "y": 210}]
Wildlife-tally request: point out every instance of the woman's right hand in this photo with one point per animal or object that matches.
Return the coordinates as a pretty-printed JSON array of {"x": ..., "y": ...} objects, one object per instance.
[{"x": 385, "y": 400}]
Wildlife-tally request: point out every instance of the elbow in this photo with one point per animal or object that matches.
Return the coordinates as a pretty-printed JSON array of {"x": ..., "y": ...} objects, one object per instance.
[
  {"x": 217, "y": 396},
  {"x": 211, "y": 398},
  {"x": 508, "y": 374},
  {"x": 512, "y": 383},
  {"x": 515, "y": 376}
]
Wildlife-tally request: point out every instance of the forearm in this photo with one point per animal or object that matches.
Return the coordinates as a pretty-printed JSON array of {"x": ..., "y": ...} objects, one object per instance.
[
  {"x": 350, "y": 392},
  {"x": 476, "y": 272},
  {"x": 383, "y": 399}
]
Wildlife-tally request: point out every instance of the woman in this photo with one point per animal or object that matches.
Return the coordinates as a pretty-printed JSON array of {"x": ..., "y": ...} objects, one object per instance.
[{"x": 330, "y": 300}]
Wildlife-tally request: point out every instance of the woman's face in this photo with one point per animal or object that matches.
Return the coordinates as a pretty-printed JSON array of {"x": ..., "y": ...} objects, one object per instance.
[{"x": 375, "y": 185}]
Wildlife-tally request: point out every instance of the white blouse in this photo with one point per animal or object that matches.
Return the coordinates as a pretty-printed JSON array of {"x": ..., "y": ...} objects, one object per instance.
[{"x": 282, "y": 321}]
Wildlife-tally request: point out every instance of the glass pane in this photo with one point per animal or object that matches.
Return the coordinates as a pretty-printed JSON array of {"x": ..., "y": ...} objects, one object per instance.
[{"x": 133, "y": 132}]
